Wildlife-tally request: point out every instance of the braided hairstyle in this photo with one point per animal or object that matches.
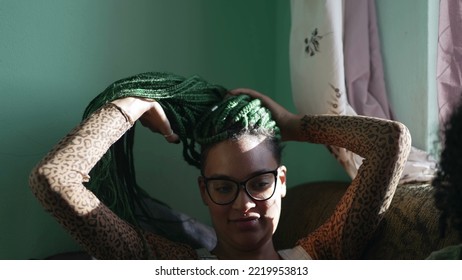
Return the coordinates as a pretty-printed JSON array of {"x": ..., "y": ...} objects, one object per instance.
[
  {"x": 234, "y": 118},
  {"x": 448, "y": 180},
  {"x": 199, "y": 112}
]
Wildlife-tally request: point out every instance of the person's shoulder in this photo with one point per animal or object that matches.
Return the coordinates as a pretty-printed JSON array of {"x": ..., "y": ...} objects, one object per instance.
[
  {"x": 453, "y": 252},
  {"x": 295, "y": 253}
]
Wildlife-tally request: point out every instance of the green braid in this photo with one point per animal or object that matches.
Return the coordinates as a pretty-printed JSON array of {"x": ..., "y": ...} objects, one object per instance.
[
  {"x": 234, "y": 115},
  {"x": 200, "y": 113}
]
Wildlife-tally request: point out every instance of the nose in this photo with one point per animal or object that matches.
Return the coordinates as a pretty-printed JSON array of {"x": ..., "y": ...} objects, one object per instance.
[{"x": 243, "y": 202}]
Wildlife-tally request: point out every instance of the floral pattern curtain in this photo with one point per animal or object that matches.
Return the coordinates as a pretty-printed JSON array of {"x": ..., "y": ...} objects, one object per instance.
[{"x": 336, "y": 68}]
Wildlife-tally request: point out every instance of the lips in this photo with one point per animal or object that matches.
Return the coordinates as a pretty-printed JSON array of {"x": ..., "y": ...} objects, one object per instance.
[{"x": 246, "y": 223}]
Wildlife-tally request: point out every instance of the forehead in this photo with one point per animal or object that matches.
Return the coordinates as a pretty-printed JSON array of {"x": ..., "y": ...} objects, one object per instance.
[{"x": 239, "y": 158}]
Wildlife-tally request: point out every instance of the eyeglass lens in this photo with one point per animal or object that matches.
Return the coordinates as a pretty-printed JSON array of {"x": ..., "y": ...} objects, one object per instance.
[{"x": 260, "y": 187}]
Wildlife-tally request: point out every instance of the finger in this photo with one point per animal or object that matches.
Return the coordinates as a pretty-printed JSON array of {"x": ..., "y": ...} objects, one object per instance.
[
  {"x": 160, "y": 120},
  {"x": 172, "y": 138},
  {"x": 164, "y": 126},
  {"x": 248, "y": 91},
  {"x": 156, "y": 120},
  {"x": 267, "y": 101},
  {"x": 252, "y": 93}
]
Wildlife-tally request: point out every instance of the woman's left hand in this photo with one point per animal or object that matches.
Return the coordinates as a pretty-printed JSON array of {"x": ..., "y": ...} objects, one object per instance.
[{"x": 287, "y": 121}]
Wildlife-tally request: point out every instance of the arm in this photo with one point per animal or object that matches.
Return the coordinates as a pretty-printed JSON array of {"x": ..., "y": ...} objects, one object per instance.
[
  {"x": 57, "y": 181},
  {"x": 383, "y": 144}
]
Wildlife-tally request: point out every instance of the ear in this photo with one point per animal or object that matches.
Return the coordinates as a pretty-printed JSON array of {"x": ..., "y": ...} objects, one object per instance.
[
  {"x": 203, "y": 191},
  {"x": 282, "y": 179}
]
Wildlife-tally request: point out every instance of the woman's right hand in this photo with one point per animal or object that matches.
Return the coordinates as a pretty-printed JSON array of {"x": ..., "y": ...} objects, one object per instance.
[
  {"x": 150, "y": 114},
  {"x": 288, "y": 122}
]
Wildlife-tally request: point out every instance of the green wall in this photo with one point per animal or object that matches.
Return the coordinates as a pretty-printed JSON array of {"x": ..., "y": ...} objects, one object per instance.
[
  {"x": 408, "y": 31},
  {"x": 55, "y": 56}
]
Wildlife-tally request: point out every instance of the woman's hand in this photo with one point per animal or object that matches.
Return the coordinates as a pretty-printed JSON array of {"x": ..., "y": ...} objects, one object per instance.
[
  {"x": 150, "y": 114},
  {"x": 288, "y": 122}
]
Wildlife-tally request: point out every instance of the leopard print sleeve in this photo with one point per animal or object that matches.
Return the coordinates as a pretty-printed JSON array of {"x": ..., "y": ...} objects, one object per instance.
[
  {"x": 384, "y": 145},
  {"x": 57, "y": 182}
]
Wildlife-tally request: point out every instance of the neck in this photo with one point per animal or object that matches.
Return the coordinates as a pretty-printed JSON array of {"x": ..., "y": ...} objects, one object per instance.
[{"x": 227, "y": 252}]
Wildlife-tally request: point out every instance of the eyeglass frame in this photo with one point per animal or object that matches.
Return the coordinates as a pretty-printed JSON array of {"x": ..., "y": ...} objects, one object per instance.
[{"x": 242, "y": 185}]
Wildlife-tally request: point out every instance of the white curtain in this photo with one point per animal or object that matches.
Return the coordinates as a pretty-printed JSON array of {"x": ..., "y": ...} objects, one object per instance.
[{"x": 336, "y": 68}]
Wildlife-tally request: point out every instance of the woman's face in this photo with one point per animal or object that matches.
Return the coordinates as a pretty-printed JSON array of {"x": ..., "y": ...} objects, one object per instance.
[{"x": 245, "y": 224}]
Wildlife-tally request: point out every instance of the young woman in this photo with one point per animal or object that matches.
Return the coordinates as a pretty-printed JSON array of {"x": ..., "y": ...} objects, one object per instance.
[{"x": 242, "y": 179}]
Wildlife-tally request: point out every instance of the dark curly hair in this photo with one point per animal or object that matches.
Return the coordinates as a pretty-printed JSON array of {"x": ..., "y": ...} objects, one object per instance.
[{"x": 448, "y": 180}]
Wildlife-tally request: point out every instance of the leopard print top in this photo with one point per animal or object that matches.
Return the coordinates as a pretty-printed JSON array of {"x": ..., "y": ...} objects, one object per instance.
[{"x": 57, "y": 182}]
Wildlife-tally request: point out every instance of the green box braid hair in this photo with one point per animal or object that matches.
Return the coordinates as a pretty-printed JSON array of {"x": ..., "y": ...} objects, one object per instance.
[{"x": 199, "y": 112}]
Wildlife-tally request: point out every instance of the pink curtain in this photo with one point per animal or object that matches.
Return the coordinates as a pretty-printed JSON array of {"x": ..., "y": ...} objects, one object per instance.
[
  {"x": 363, "y": 60},
  {"x": 449, "y": 63}
]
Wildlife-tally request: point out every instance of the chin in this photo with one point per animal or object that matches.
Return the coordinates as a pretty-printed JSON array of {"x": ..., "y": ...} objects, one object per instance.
[{"x": 251, "y": 242}]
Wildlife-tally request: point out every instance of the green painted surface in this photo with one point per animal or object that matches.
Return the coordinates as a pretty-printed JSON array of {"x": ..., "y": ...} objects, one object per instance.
[{"x": 408, "y": 39}]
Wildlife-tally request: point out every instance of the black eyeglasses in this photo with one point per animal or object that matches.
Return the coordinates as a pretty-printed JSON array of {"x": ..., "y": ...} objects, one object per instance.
[{"x": 224, "y": 191}]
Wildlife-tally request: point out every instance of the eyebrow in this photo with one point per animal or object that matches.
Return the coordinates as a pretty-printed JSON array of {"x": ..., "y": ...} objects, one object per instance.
[{"x": 255, "y": 173}]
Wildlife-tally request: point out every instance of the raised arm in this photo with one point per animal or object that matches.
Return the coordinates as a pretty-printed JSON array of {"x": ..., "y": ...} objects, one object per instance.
[
  {"x": 383, "y": 144},
  {"x": 57, "y": 181}
]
